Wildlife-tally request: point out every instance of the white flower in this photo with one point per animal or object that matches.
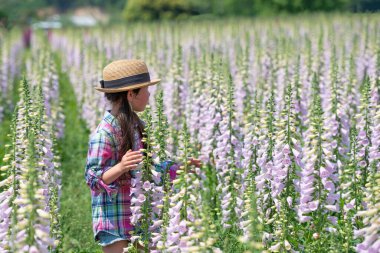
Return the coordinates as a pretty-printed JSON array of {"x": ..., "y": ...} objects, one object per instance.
[
  {"x": 275, "y": 248},
  {"x": 43, "y": 214},
  {"x": 287, "y": 245}
]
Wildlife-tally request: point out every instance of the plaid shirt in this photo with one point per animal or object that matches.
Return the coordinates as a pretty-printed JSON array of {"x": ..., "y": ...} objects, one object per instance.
[{"x": 111, "y": 203}]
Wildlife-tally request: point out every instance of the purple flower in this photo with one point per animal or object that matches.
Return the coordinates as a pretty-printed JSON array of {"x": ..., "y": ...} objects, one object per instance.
[
  {"x": 329, "y": 186},
  {"x": 305, "y": 199},
  {"x": 362, "y": 163},
  {"x": 156, "y": 176},
  {"x": 147, "y": 186},
  {"x": 182, "y": 227},
  {"x": 333, "y": 208},
  {"x": 362, "y": 134},
  {"x": 304, "y": 218},
  {"x": 173, "y": 238},
  {"x": 313, "y": 205},
  {"x": 136, "y": 191},
  {"x": 155, "y": 225},
  {"x": 135, "y": 209},
  {"x": 286, "y": 161},
  {"x": 296, "y": 153},
  {"x": 286, "y": 149},
  {"x": 135, "y": 218},
  {"x": 333, "y": 219},
  {"x": 325, "y": 173},
  {"x": 307, "y": 191},
  {"x": 289, "y": 200},
  {"x": 156, "y": 238},
  {"x": 364, "y": 142},
  {"x": 349, "y": 206}
]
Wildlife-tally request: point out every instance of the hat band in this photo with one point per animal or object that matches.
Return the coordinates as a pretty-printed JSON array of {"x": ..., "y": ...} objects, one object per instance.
[{"x": 126, "y": 81}]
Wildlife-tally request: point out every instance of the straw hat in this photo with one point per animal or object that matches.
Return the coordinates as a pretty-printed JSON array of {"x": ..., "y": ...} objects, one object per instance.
[{"x": 123, "y": 75}]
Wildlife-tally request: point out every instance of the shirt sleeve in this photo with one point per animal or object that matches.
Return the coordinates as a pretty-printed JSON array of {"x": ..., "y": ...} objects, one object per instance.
[{"x": 99, "y": 160}]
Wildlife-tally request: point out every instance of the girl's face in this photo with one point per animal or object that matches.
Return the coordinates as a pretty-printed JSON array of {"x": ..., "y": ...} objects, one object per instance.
[{"x": 139, "y": 100}]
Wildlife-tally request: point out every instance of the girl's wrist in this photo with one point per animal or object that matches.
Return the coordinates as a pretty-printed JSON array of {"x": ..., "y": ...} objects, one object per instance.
[
  {"x": 122, "y": 169},
  {"x": 112, "y": 174}
]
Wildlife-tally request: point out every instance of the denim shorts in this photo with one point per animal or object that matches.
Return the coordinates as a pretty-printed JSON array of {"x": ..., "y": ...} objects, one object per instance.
[{"x": 106, "y": 238}]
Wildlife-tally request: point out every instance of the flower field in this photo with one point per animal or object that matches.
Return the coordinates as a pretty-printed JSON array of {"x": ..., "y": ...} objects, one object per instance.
[{"x": 284, "y": 114}]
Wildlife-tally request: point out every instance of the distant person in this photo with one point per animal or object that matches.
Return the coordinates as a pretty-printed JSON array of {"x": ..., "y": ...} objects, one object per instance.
[
  {"x": 49, "y": 34},
  {"x": 27, "y": 36}
]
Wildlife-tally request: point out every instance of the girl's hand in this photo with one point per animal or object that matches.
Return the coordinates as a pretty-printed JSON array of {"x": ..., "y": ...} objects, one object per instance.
[
  {"x": 130, "y": 160},
  {"x": 196, "y": 162}
]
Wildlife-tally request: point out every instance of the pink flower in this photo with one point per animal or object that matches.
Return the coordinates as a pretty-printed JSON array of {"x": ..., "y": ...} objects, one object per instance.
[
  {"x": 33, "y": 249},
  {"x": 141, "y": 198}
]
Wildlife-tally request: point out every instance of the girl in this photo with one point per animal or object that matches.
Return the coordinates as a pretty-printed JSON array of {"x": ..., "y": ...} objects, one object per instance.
[{"x": 114, "y": 152}]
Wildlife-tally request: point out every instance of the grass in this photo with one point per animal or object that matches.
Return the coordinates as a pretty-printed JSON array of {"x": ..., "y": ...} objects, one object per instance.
[
  {"x": 75, "y": 199},
  {"x": 5, "y": 124},
  {"x": 14, "y": 96},
  {"x": 5, "y": 129}
]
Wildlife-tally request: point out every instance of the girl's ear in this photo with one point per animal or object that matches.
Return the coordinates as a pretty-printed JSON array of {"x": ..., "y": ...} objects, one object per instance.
[{"x": 129, "y": 95}]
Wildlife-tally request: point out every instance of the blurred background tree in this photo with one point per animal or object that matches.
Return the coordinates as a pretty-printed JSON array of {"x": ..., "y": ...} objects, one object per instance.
[
  {"x": 159, "y": 9},
  {"x": 18, "y": 12}
]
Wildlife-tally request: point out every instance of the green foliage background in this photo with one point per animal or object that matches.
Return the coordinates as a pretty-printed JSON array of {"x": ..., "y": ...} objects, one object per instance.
[
  {"x": 16, "y": 12},
  {"x": 164, "y": 9}
]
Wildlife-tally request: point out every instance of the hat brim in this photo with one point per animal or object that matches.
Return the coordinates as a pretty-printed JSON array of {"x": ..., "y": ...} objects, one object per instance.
[{"x": 132, "y": 87}]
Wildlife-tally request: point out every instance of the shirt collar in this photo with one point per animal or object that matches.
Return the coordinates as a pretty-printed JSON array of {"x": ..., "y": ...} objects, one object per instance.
[{"x": 110, "y": 119}]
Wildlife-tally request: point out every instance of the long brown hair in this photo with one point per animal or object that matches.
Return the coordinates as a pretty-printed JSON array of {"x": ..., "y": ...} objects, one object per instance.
[{"x": 127, "y": 119}]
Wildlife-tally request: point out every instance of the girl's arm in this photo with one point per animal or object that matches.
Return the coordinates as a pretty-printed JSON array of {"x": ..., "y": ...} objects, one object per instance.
[
  {"x": 129, "y": 161},
  {"x": 100, "y": 159},
  {"x": 112, "y": 174}
]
